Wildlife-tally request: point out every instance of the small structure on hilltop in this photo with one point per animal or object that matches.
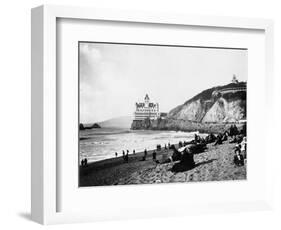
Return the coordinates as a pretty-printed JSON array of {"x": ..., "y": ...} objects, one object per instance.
[
  {"x": 238, "y": 87},
  {"x": 146, "y": 110},
  {"x": 234, "y": 79}
]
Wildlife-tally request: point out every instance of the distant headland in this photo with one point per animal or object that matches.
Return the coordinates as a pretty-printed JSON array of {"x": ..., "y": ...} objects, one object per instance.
[{"x": 94, "y": 126}]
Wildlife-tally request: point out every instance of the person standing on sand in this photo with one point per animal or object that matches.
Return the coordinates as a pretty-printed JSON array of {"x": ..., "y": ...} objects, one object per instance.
[
  {"x": 134, "y": 152},
  {"x": 154, "y": 155},
  {"x": 127, "y": 157},
  {"x": 244, "y": 149},
  {"x": 116, "y": 154},
  {"x": 123, "y": 154},
  {"x": 238, "y": 157},
  {"x": 145, "y": 154}
]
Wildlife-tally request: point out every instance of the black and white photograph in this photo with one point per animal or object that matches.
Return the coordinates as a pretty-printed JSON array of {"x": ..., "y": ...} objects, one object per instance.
[{"x": 151, "y": 114}]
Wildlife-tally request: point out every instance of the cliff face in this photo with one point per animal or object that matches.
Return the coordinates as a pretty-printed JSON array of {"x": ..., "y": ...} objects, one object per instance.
[
  {"x": 210, "y": 109},
  {"x": 224, "y": 111},
  {"x": 192, "y": 111},
  {"x": 216, "y": 105}
]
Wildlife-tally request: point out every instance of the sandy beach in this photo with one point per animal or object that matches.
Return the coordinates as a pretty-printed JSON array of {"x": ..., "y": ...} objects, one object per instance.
[{"x": 214, "y": 164}]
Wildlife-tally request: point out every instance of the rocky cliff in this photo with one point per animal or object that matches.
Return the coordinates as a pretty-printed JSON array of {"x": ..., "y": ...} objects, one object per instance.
[{"x": 210, "y": 109}]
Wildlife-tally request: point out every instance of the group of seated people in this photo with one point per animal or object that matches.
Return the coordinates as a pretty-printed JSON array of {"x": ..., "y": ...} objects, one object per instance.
[
  {"x": 233, "y": 133},
  {"x": 237, "y": 138},
  {"x": 184, "y": 155},
  {"x": 198, "y": 144},
  {"x": 221, "y": 137}
]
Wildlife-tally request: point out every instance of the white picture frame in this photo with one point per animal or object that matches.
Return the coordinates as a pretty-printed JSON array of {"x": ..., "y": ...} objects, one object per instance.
[{"x": 44, "y": 178}]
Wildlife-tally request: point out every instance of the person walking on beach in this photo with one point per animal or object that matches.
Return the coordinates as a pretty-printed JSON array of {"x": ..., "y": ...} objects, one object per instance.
[
  {"x": 134, "y": 152},
  {"x": 123, "y": 154},
  {"x": 127, "y": 157},
  {"x": 145, "y": 154},
  {"x": 116, "y": 154},
  {"x": 154, "y": 155}
]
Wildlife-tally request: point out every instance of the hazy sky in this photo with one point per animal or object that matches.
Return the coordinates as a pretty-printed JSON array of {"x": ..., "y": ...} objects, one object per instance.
[{"x": 115, "y": 76}]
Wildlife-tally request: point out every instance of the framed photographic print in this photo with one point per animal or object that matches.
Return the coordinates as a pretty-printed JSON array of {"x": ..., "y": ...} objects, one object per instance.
[
  {"x": 144, "y": 114},
  {"x": 127, "y": 138}
]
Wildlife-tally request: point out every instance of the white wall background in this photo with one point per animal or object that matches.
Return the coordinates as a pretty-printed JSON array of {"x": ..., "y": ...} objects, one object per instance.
[{"x": 15, "y": 112}]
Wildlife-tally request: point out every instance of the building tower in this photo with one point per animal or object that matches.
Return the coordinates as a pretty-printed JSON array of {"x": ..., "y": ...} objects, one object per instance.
[{"x": 146, "y": 100}]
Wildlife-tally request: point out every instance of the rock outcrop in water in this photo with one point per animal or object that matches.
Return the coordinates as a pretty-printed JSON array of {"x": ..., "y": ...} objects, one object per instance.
[
  {"x": 95, "y": 126},
  {"x": 210, "y": 110}
]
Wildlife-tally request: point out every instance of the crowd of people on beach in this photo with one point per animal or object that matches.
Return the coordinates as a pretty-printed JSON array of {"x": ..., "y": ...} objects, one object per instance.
[
  {"x": 185, "y": 150},
  {"x": 234, "y": 136}
]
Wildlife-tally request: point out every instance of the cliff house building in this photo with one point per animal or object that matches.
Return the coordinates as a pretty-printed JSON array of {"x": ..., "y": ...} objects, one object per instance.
[{"x": 146, "y": 109}]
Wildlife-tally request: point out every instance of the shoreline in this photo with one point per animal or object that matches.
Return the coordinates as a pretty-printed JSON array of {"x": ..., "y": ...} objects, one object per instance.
[
  {"x": 185, "y": 126},
  {"x": 214, "y": 164},
  {"x": 149, "y": 147}
]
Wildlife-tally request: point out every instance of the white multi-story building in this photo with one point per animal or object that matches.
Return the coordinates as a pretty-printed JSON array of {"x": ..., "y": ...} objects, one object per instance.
[{"x": 146, "y": 109}]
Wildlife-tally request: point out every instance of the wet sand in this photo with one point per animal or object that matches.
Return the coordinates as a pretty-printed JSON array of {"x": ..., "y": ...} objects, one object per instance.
[{"x": 214, "y": 164}]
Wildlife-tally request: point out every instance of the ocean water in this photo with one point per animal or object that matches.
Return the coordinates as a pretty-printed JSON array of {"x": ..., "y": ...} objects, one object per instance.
[{"x": 99, "y": 144}]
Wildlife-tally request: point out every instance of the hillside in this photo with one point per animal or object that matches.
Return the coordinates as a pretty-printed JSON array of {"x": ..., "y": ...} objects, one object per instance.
[
  {"x": 217, "y": 104},
  {"x": 117, "y": 122}
]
